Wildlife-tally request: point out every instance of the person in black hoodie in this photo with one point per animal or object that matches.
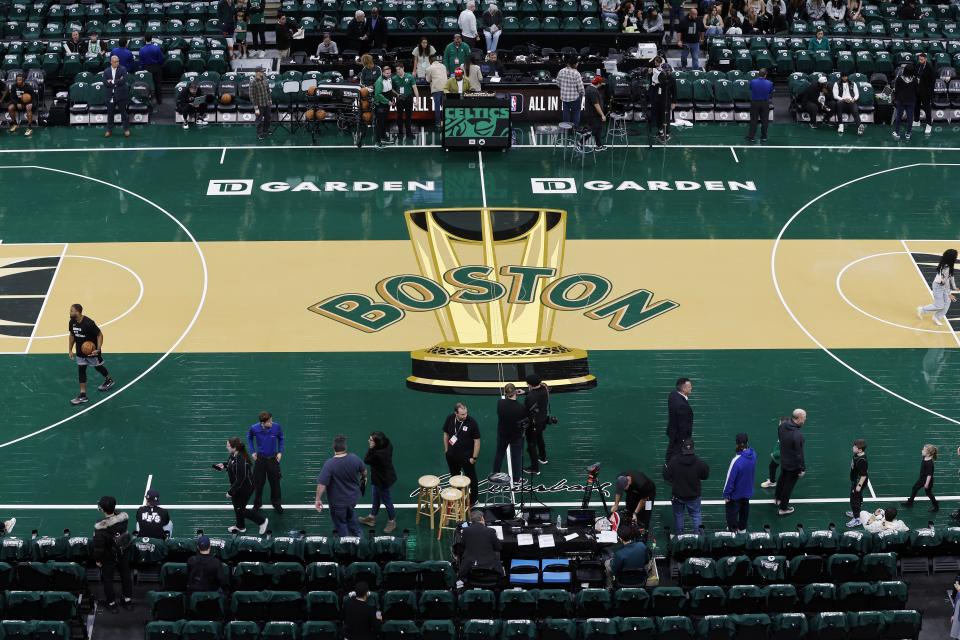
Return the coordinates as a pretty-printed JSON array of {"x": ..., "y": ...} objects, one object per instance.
[
  {"x": 905, "y": 99},
  {"x": 239, "y": 468},
  {"x": 204, "y": 570},
  {"x": 383, "y": 476},
  {"x": 679, "y": 417},
  {"x": 793, "y": 466},
  {"x": 686, "y": 472},
  {"x": 926, "y": 78},
  {"x": 111, "y": 544}
]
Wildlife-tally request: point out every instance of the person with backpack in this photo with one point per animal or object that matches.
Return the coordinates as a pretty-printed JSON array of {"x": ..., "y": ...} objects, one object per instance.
[
  {"x": 204, "y": 570},
  {"x": 111, "y": 552}
]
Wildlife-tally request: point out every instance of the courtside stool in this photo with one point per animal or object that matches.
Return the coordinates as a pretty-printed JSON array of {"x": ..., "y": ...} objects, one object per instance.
[
  {"x": 497, "y": 490},
  {"x": 563, "y": 138},
  {"x": 428, "y": 500},
  {"x": 462, "y": 483},
  {"x": 585, "y": 145},
  {"x": 617, "y": 128},
  {"x": 451, "y": 510}
]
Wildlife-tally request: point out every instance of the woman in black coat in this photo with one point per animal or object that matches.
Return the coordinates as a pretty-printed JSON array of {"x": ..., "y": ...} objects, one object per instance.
[
  {"x": 383, "y": 475},
  {"x": 239, "y": 468}
]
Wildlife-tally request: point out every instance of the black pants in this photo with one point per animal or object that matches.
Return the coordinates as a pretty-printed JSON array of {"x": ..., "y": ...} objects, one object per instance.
[
  {"x": 737, "y": 513},
  {"x": 596, "y": 127},
  {"x": 516, "y": 454},
  {"x": 405, "y": 116},
  {"x": 929, "y": 491},
  {"x": 847, "y": 107},
  {"x": 258, "y": 34},
  {"x": 381, "y": 115},
  {"x": 82, "y": 372},
  {"x": 673, "y": 448},
  {"x": 121, "y": 108},
  {"x": 266, "y": 469},
  {"x": 772, "y": 474},
  {"x": 536, "y": 446},
  {"x": 263, "y": 121},
  {"x": 856, "y": 499},
  {"x": 156, "y": 71},
  {"x": 457, "y": 466},
  {"x": 644, "y": 515},
  {"x": 924, "y": 101},
  {"x": 198, "y": 113},
  {"x": 108, "y": 570},
  {"x": 240, "y": 500},
  {"x": 658, "y": 114},
  {"x": 812, "y": 109},
  {"x": 759, "y": 112},
  {"x": 788, "y": 480}
]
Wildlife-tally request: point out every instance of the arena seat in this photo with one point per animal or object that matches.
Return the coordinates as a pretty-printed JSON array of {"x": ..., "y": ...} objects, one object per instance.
[
  {"x": 167, "y": 605},
  {"x": 437, "y": 604}
]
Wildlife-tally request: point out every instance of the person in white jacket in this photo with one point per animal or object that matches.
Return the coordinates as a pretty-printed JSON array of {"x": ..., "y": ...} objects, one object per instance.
[
  {"x": 845, "y": 96},
  {"x": 882, "y": 520},
  {"x": 468, "y": 23},
  {"x": 943, "y": 286}
]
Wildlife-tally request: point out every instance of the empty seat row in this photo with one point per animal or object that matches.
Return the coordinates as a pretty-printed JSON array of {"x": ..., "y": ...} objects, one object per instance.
[
  {"x": 323, "y": 576},
  {"x": 838, "y": 567},
  {"x": 38, "y": 605},
  {"x": 834, "y": 625},
  {"x": 43, "y": 576},
  {"x": 47, "y": 629}
]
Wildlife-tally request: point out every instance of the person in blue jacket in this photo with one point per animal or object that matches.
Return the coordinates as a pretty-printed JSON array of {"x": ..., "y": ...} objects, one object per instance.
[{"x": 738, "y": 488}]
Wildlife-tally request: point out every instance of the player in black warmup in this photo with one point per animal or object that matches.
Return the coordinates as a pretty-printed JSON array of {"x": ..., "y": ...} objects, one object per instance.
[{"x": 83, "y": 329}]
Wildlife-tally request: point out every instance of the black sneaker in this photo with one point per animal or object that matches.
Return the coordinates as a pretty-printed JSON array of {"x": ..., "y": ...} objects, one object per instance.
[
  {"x": 127, "y": 604},
  {"x": 532, "y": 471},
  {"x": 907, "y": 504},
  {"x": 80, "y": 399},
  {"x": 107, "y": 385},
  {"x": 749, "y": 139},
  {"x": 112, "y": 607},
  {"x": 278, "y": 509},
  {"x": 601, "y": 147},
  {"x": 763, "y": 139}
]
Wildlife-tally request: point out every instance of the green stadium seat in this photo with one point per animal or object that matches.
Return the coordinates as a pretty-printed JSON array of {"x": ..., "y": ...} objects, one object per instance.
[
  {"x": 829, "y": 625},
  {"x": 715, "y": 627},
  {"x": 806, "y": 568},
  {"x": 688, "y": 544},
  {"x": 284, "y": 630},
  {"x": 316, "y": 630},
  {"x": 201, "y": 630},
  {"x": 286, "y": 606},
  {"x": 674, "y": 628},
  {"x": 167, "y": 605},
  {"x": 530, "y": 23},
  {"x": 24, "y": 605},
  {"x": 788, "y": 626},
  {"x": 667, "y": 601},
  {"x": 631, "y": 628},
  {"x": 856, "y": 596},
  {"x": 557, "y": 629},
  {"x": 631, "y": 602},
  {"x": 163, "y": 630},
  {"x": 250, "y": 605},
  {"x": 242, "y": 630},
  {"x": 368, "y": 572},
  {"x": 400, "y": 605},
  {"x": 695, "y": 571},
  {"x": 570, "y": 23},
  {"x": 517, "y": 630},
  {"x": 772, "y": 569},
  {"x": 317, "y": 549},
  {"x": 520, "y": 604},
  {"x": 901, "y": 624},
  {"x": 804, "y": 63},
  {"x": 481, "y": 630},
  {"x": 706, "y": 601},
  {"x": 781, "y": 598},
  {"x": 437, "y": 604},
  {"x": 819, "y": 596},
  {"x": 746, "y": 598},
  {"x": 592, "y": 603},
  {"x": 554, "y": 603},
  {"x": 843, "y": 566},
  {"x": 751, "y": 626},
  {"x": 477, "y": 603},
  {"x": 890, "y": 594}
]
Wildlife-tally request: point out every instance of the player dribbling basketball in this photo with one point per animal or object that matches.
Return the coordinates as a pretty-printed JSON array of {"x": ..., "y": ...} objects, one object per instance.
[{"x": 86, "y": 339}]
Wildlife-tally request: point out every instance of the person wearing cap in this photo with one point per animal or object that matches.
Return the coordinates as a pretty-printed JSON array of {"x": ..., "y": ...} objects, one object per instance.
[
  {"x": 926, "y": 79},
  {"x": 204, "y": 570},
  {"x": 537, "y": 401},
  {"x": 761, "y": 93},
  {"x": 818, "y": 42},
  {"x": 458, "y": 84},
  {"x": 679, "y": 417},
  {"x": 262, "y": 106},
  {"x": 512, "y": 417},
  {"x": 638, "y": 492},
  {"x": 632, "y": 556},
  {"x": 265, "y": 443},
  {"x": 153, "y": 521},
  {"x": 686, "y": 472},
  {"x": 738, "y": 488},
  {"x": 593, "y": 115},
  {"x": 813, "y": 100},
  {"x": 845, "y": 96},
  {"x": 109, "y": 556}
]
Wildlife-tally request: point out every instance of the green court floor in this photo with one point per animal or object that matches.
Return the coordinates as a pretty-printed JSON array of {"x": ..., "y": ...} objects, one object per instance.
[{"x": 896, "y": 390}]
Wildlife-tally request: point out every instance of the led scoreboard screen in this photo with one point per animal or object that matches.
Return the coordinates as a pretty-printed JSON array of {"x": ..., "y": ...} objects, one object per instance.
[{"x": 476, "y": 122}]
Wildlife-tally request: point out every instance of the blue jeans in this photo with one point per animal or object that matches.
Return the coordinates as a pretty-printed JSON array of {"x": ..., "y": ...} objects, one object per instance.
[
  {"x": 692, "y": 508},
  {"x": 714, "y": 31},
  {"x": 492, "y": 39},
  {"x": 437, "y": 107},
  {"x": 382, "y": 494},
  {"x": 345, "y": 520},
  {"x": 516, "y": 455},
  {"x": 694, "y": 48},
  {"x": 903, "y": 111},
  {"x": 675, "y": 14},
  {"x": 571, "y": 112}
]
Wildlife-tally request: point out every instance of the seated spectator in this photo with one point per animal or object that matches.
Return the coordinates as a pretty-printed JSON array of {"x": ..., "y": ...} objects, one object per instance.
[
  {"x": 814, "y": 100},
  {"x": 628, "y": 18},
  {"x": 836, "y": 11},
  {"x": 733, "y": 23},
  {"x": 882, "y": 520},
  {"x": 756, "y": 5},
  {"x": 22, "y": 98},
  {"x": 473, "y": 73},
  {"x": 94, "y": 46},
  {"x": 75, "y": 44},
  {"x": 855, "y": 12},
  {"x": 492, "y": 21},
  {"x": 492, "y": 66},
  {"x": 327, "y": 46},
  {"x": 845, "y": 96},
  {"x": 609, "y": 9},
  {"x": 633, "y": 555},
  {"x": 778, "y": 22},
  {"x": 481, "y": 546},
  {"x": 795, "y": 10},
  {"x": 908, "y": 10},
  {"x": 713, "y": 21},
  {"x": 764, "y": 20},
  {"x": 653, "y": 22},
  {"x": 205, "y": 571},
  {"x": 749, "y": 24},
  {"x": 818, "y": 42},
  {"x": 191, "y": 104},
  {"x": 153, "y": 521},
  {"x": 7, "y": 526},
  {"x": 771, "y": 4},
  {"x": 361, "y": 620},
  {"x": 815, "y": 9}
]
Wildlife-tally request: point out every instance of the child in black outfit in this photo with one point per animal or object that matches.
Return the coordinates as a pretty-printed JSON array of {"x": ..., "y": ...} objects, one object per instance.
[
  {"x": 858, "y": 481},
  {"x": 925, "y": 481}
]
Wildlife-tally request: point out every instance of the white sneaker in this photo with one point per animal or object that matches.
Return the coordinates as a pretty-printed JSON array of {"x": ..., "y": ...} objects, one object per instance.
[
  {"x": 937, "y": 321},
  {"x": 186, "y": 125},
  {"x": 785, "y": 512},
  {"x": 854, "y": 523},
  {"x": 920, "y": 312},
  {"x": 849, "y": 514},
  {"x": 840, "y": 129},
  {"x": 896, "y": 136},
  {"x": 766, "y": 484},
  {"x": 9, "y": 525},
  {"x": 263, "y": 527},
  {"x": 236, "y": 530},
  {"x": 928, "y": 130},
  {"x": 860, "y": 129}
]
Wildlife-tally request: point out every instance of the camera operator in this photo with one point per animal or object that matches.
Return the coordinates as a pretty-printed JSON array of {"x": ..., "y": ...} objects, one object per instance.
[
  {"x": 660, "y": 96},
  {"x": 639, "y": 492},
  {"x": 537, "y": 401},
  {"x": 512, "y": 419}
]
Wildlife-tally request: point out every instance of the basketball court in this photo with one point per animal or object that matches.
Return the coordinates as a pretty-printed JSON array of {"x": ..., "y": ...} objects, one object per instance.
[{"x": 231, "y": 278}]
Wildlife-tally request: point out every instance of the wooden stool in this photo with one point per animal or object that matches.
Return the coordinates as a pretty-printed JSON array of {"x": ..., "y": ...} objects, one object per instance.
[
  {"x": 428, "y": 500},
  {"x": 462, "y": 483},
  {"x": 451, "y": 510}
]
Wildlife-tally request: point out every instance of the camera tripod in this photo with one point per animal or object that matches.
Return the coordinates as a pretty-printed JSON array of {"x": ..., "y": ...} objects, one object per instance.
[{"x": 593, "y": 475}]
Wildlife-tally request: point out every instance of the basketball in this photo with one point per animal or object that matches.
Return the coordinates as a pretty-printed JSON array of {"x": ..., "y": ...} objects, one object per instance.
[
  {"x": 364, "y": 92},
  {"x": 321, "y": 114},
  {"x": 310, "y": 114},
  {"x": 26, "y": 98},
  {"x": 312, "y": 91},
  {"x": 226, "y": 98},
  {"x": 367, "y": 117},
  {"x": 365, "y": 105},
  {"x": 87, "y": 348}
]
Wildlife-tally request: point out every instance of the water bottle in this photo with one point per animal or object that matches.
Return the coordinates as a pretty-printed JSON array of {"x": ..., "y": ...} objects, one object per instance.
[
  {"x": 411, "y": 547},
  {"x": 559, "y": 522}
]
